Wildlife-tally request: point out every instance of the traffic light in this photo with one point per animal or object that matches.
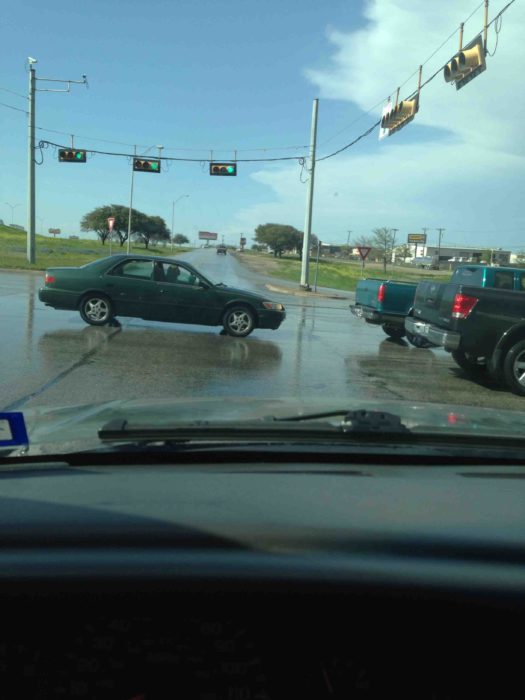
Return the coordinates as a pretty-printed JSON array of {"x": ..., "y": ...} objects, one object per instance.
[
  {"x": 146, "y": 166},
  {"x": 228, "y": 169},
  {"x": 401, "y": 115},
  {"x": 66, "y": 155},
  {"x": 466, "y": 64}
]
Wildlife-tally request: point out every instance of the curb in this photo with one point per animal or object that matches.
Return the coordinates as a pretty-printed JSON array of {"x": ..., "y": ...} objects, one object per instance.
[{"x": 296, "y": 293}]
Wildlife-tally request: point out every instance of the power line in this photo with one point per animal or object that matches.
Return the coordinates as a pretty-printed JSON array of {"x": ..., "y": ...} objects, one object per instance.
[
  {"x": 25, "y": 97},
  {"x": 17, "y": 109},
  {"x": 299, "y": 159}
]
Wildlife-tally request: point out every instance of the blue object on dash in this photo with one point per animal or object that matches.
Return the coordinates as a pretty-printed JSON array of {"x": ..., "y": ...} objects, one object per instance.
[{"x": 13, "y": 431}]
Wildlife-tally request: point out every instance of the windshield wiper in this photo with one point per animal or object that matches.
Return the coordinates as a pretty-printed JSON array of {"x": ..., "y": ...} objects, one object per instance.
[{"x": 305, "y": 428}]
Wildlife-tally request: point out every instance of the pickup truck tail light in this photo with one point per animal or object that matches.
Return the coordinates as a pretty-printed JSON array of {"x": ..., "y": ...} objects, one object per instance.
[
  {"x": 381, "y": 292},
  {"x": 49, "y": 279},
  {"x": 463, "y": 305}
]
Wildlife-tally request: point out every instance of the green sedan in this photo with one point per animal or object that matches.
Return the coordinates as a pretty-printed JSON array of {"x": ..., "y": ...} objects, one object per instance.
[{"x": 156, "y": 289}]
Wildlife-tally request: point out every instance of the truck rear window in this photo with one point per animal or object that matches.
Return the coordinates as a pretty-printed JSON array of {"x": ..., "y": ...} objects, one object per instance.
[
  {"x": 469, "y": 275},
  {"x": 504, "y": 280}
]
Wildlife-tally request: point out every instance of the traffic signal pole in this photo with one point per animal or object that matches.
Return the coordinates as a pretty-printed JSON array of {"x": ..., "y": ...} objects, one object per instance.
[
  {"x": 309, "y": 202},
  {"x": 31, "y": 168}
]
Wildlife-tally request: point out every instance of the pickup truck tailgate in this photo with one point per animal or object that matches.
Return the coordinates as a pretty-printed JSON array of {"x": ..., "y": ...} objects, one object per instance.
[
  {"x": 395, "y": 298},
  {"x": 433, "y": 303}
]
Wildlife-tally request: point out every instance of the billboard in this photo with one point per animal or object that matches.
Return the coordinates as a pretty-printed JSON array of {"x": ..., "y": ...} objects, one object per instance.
[{"x": 208, "y": 236}]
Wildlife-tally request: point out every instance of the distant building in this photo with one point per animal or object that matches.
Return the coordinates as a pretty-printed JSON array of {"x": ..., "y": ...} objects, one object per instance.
[{"x": 463, "y": 254}]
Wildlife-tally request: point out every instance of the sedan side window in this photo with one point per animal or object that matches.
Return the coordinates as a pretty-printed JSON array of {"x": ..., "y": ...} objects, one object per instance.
[
  {"x": 142, "y": 269},
  {"x": 176, "y": 274}
]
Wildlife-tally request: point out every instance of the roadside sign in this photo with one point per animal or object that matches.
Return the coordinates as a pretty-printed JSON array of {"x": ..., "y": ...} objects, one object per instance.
[
  {"x": 111, "y": 223},
  {"x": 363, "y": 251},
  {"x": 54, "y": 231},
  {"x": 417, "y": 238}
]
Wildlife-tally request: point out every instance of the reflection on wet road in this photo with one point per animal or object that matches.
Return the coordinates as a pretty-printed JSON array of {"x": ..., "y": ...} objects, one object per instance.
[{"x": 52, "y": 358}]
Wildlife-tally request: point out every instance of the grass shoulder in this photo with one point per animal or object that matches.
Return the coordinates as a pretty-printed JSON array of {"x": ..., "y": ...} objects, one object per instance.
[
  {"x": 335, "y": 274},
  {"x": 56, "y": 252}
]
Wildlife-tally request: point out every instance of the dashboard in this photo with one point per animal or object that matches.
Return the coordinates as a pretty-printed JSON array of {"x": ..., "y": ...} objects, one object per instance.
[{"x": 241, "y": 583}]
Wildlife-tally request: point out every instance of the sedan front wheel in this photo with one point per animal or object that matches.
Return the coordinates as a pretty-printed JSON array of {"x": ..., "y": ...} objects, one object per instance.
[
  {"x": 239, "y": 321},
  {"x": 96, "y": 309}
]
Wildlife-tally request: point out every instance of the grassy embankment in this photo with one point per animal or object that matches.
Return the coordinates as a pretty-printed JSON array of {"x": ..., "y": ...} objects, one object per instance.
[
  {"x": 56, "y": 252},
  {"x": 334, "y": 273}
]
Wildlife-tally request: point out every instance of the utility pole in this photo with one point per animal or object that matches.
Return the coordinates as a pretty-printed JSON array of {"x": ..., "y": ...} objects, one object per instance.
[
  {"x": 31, "y": 256},
  {"x": 309, "y": 201},
  {"x": 440, "y": 230},
  {"x": 394, "y": 230},
  {"x": 425, "y": 233}
]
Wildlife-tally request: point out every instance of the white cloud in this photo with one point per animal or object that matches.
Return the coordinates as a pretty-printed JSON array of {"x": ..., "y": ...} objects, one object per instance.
[
  {"x": 469, "y": 179},
  {"x": 372, "y": 62}
]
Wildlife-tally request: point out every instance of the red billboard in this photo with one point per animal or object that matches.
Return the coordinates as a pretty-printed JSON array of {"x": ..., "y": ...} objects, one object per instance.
[{"x": 208, "y": 236}]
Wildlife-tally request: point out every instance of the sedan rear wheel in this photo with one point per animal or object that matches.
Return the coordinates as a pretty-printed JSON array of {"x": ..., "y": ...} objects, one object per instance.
[
  {"x": 239, "y": 321},
  {"x": 96, "y": 309}
]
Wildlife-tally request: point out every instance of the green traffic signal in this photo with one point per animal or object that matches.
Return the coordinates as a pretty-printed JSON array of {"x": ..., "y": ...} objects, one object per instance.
[
  {"x": 66, "y": 155},
  {"x": 228, "y": 169},
  {"x": 146, "y": 166}
]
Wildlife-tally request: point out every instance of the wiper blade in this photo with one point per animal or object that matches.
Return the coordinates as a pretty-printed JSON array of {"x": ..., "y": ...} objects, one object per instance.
[
  {"x": 362, "y": 424},
  {"x": 357, "y": 421}
]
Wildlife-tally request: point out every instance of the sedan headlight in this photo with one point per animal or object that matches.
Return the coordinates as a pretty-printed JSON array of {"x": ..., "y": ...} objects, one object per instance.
[{"x": 273, "y": 305}]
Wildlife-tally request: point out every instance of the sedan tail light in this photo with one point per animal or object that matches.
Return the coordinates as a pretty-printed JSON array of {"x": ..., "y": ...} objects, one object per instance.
[
  {"x": 463, "y": 305},
  {"x": 49, "y": 278},
  {"x": 381, "y": 292}
]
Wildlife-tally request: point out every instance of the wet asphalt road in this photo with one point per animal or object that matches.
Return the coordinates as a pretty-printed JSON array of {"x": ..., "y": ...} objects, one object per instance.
[{"x": 51, "y": 358}]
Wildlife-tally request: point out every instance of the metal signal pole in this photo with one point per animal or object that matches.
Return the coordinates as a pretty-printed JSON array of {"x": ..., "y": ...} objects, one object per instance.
[{"x": 309, "y": 201}]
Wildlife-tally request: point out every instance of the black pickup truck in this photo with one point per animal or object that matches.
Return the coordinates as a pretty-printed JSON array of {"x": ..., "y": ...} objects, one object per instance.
[{"x": 480, "y": 319}]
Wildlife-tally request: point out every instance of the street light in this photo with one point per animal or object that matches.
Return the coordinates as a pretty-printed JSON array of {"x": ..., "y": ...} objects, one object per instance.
[
  {"x": 13, "y": 207},
  {"x": 173, "y": 216}
]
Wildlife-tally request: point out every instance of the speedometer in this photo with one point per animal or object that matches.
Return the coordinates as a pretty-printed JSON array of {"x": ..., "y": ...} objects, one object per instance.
[{"x": 125, "y": 659}]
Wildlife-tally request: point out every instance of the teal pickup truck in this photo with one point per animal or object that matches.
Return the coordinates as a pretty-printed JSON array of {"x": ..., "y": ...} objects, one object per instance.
[{"x": 387, "y": 303}]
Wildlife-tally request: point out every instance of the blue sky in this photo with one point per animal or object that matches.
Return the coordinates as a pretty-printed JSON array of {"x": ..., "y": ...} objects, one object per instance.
[{"x": 204, "y": 75}]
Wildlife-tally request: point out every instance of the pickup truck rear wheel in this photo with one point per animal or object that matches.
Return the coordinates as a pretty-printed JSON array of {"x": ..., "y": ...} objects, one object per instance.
[
  {"x": 514, "y": 368},
  {"x": 396, "y": 332},
  {"x": 470, "y": 363}
]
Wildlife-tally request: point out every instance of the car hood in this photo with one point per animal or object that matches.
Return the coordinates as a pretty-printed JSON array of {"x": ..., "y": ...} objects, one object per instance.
[
  {"x": 241, "y": 292},
  {"x": 59, "y": 430}
]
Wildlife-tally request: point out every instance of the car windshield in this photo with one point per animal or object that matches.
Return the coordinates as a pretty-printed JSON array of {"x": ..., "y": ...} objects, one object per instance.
[{"x": 339, "y": 169}]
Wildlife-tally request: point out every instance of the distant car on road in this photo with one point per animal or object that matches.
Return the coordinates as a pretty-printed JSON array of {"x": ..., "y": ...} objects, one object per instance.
[
  {"x": 221, "y": 250},
  {"x": 157, "y": 289}
]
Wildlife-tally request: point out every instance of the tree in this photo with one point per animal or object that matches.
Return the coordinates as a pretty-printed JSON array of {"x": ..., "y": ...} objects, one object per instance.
[
  {"x": 279, "y": 238},
  {"x": 383, "y": 241},
  {"x": 97, "y": 221},
  {"x": 150, "y": 229},
  {"x": 403, "y": 251},
  {"x": 180, "y": 239}
]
